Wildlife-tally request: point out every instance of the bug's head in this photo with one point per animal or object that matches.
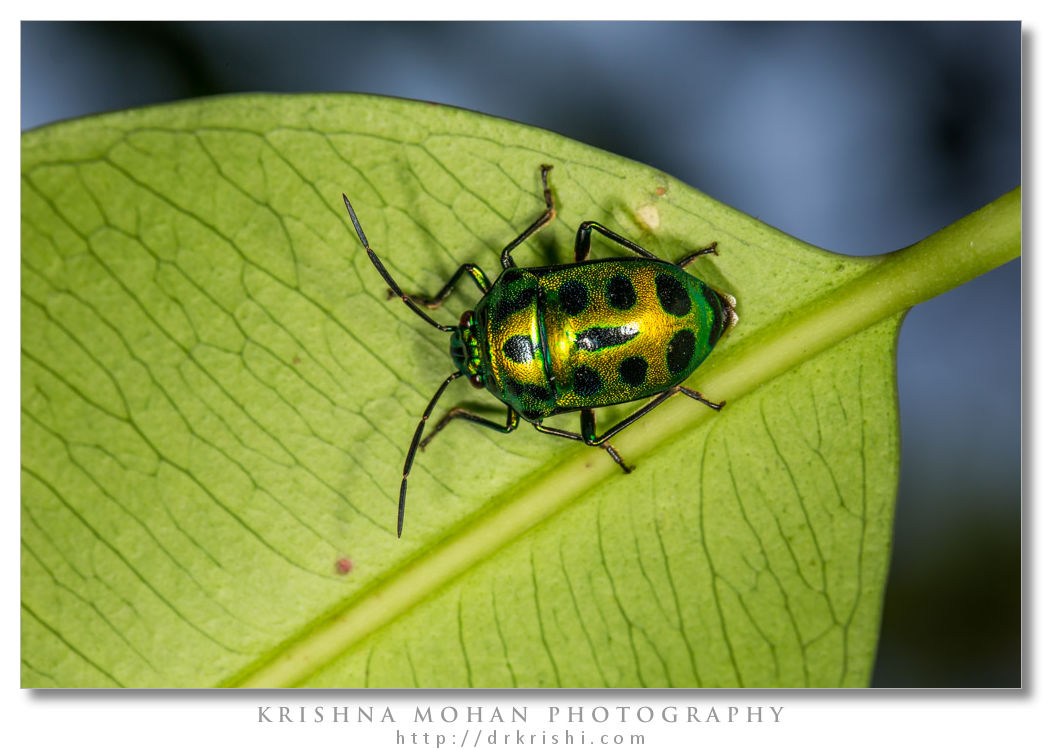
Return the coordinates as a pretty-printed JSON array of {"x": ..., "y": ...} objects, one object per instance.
[{"x": 463, "y": 346}]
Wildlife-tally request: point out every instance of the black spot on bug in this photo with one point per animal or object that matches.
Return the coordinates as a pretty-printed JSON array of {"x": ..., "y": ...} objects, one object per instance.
[
  {"x": 519, "y": 348},
  {"x": 514, "y": 387},
  {"x": 511, "y": 276},
  {"x": 538, "y": 392},
  {"x": 634, "y": 370},
  {"x": 531, "y": 415},
  {"x": 680, "y": 350},
  {"x": 620, "y": 292},
  {"x": 587, "y": 382},
  {"x": 672, "y": 295},
  {"x": 573, "y": 297},
  {"x": 522, "y": 301},
  {"x": 598, "y": 338}
]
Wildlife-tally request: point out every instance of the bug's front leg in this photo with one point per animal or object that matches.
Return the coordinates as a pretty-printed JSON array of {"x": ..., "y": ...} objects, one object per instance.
[
  {"x": 462, "y": 413},
  {"x": 475, "y": 273},
  {"x": 539, "y": 223}
]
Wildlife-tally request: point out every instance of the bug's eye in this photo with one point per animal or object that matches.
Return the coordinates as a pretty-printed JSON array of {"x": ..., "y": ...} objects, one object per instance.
[
  {"x": 465, "y": 318},
  {"x": 475, "y": 380}
]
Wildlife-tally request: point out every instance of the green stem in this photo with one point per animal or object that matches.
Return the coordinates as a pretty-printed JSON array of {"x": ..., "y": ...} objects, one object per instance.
[{"x": 970, "y": 247}]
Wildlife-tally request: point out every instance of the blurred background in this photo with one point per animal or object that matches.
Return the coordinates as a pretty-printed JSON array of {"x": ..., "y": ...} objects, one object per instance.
[{"x": 859, "y": 138}]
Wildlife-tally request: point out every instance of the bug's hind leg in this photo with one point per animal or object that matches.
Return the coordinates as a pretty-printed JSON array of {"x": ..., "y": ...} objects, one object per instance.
[
  {"x": 709, "y": 249},
  {"x": 605, "y": 445},
  {"x": 698, "y": 397},
  {"x": 462, "y": 413},
  {"x": 589, "y": 419},
  {"x": 543, "y": 220}
]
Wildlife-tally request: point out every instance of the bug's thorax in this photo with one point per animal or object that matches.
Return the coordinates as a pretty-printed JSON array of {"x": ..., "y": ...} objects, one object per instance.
[{"x": 512, "y": 343}]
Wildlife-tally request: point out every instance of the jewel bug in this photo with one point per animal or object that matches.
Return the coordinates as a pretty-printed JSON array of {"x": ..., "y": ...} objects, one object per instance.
[{"x": 553, "y": 339}]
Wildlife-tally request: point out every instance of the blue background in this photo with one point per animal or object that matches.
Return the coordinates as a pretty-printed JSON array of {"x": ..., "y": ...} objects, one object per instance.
[{"x": 859, "y": 138}]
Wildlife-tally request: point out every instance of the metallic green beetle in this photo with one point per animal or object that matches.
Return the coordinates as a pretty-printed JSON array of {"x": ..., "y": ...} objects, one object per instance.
[{"x": 560, "y": 338}]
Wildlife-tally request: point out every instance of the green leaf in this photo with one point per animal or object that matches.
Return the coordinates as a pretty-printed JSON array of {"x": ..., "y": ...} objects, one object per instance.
[{"x": 217, "y": 396}]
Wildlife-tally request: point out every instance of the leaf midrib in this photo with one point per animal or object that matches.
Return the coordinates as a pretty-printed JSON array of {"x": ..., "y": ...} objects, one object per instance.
[{"x": 973, "y": 245}]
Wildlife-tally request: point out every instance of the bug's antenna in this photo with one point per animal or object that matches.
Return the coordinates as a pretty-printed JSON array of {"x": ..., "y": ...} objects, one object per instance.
[
  {"x": 390, "y": 282},
  {"x": 415, "y": 443}
]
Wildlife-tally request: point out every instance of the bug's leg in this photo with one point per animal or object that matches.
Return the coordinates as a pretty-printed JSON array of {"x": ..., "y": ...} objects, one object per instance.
[
  {"x": 462, "y": 413},
  {"x": 698, "y": 397},
  {"x": 478, "y": 276},
  {"x": 709, "y": 249},
  {"x": 589, "y": 420},
  {"x": 546, "y": 218},
  {"x": 605, "y": 445},
  {"x": 582, "y": 241},
  {"x": 557, "y": 432}
]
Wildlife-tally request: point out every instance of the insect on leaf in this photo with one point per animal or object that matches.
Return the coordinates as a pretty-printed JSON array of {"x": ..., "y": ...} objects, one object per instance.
[{"x": 217, "y": 396}]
